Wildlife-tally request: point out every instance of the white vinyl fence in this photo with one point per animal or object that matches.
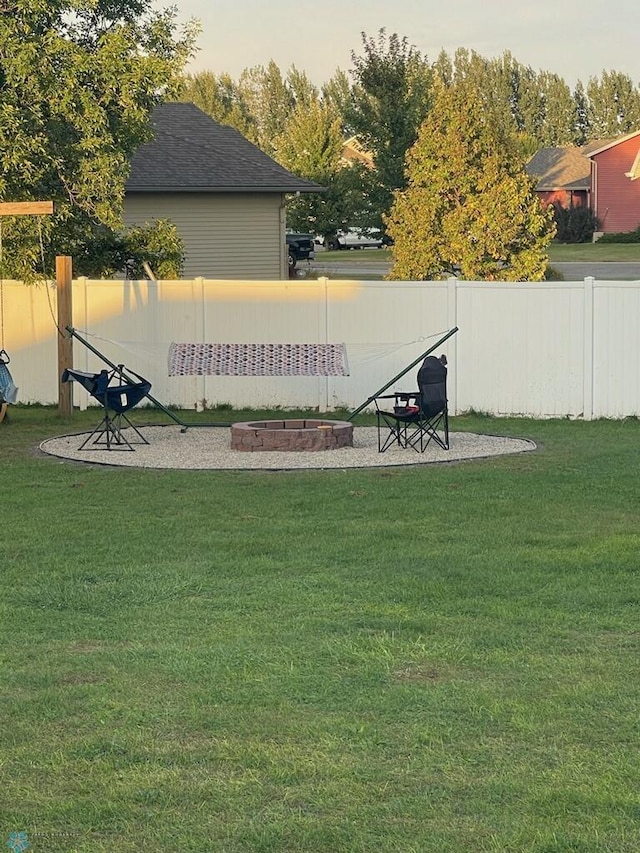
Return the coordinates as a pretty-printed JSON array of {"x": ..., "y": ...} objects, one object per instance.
[{"x": 539, "y": 349}]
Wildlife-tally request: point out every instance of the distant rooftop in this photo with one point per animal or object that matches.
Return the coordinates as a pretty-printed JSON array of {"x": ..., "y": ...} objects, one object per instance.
[{"x": 560, "y": 169}]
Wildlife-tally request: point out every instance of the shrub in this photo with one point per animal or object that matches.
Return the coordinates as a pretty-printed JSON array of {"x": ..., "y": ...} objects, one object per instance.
[
  {"x": 624, "y": 237},
  {"x": 553, "y": 274},
  {"x": 574, "y": 224}
]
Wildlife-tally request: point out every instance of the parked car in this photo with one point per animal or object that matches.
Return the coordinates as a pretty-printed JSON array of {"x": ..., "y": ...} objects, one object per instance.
[
  {"x": 300, "y": 248},
  {"x": 367, "y": 239}
]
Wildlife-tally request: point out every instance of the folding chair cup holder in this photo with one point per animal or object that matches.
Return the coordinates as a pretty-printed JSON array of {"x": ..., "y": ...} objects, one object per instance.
[
  {"x": 117, "y": 392},
  {"x": 416, "y": 418}
]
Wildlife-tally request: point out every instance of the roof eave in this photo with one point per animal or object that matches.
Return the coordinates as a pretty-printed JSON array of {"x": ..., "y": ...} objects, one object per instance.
[
  {"x": 556, "y": 188},
  {"x": 612, "y": 144},
  {"x": 141, "y": 188}
]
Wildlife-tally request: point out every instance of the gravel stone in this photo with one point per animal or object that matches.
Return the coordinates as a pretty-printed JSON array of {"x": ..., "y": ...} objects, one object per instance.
[{"x": 209, "y": 448}]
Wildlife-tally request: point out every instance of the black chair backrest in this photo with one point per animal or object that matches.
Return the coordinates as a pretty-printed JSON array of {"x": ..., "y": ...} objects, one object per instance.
[
  {"x": 121, "y": 398},
  {"x": 432, "y": 384}
]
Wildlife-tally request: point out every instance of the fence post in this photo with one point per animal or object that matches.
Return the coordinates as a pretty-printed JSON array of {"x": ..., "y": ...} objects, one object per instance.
[
  {"x": 588, "y": 332},
  {"x": 64, "y": 275},
  {"x": 452, "y": 323},
  {"x": 323, "y": 282}
]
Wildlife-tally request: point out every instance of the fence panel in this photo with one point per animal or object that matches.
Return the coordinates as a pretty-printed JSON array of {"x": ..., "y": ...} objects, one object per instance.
[
  {"x": 616, "y": 349},
  {"x": 521, "y": 348},
  {"x": 539, "y": 349}
]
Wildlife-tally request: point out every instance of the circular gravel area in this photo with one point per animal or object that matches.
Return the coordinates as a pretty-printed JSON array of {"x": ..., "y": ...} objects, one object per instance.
[{"x": 210, "y": 448}]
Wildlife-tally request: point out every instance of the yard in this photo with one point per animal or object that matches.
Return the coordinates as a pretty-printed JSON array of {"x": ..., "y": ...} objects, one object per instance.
[
  {"x": 433, "y": 660},
  {"x": 558, "y": 253}
]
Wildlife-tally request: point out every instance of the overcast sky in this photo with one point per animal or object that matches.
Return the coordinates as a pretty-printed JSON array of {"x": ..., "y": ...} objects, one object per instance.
[{"x": 576, "y": 39}]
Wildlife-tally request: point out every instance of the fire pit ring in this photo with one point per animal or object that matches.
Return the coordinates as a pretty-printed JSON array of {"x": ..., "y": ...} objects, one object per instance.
[{"x": 291, "y": 435}]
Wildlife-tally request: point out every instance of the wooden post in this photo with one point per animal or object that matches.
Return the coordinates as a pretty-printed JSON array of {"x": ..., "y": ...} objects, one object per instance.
[
  {"x": 25, "y": 208},
  {"x": 64, "y": 277}
]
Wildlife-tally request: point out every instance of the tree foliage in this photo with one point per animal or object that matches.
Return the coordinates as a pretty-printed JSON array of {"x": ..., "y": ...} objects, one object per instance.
[
  {"x": 614, "y": 105},
  {"x": 469, "y": 208},
  {"x": 218, "y": 96},
  {"x": 156, "y": 245},
  {"x": 78, "y": 81},
  {"x": 311, "y": 147},
  {"x": 383, "y": 105},
  {"x": 538, "y": 107},
  {"x": 389, "y": 99}
]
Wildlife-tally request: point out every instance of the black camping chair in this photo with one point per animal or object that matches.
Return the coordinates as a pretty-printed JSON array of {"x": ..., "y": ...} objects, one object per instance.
[
  {"x": 417, "y": 417},
  {"x": 117, "y": 392}
]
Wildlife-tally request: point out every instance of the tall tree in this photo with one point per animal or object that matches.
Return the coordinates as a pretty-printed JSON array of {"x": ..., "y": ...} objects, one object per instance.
[
  {"x": 218, "y": 97},
  {"x": 469, "y": 208},
  {"x": 302, "y": 90},
  {"x": 269, "y": 101},
  {"x": 504, "y": 88},
  {"x": 558, "y": 125},
  {"x": 311, "y": 146},
  {"x": 336, "y": 93},
  {"x": 389, "y": 100},
  {"x": 538, "y": 106},
  {"x": 614, "y": 105},
  {"x": 78, "y": 81},
  {"x": 581, "y": 108}
]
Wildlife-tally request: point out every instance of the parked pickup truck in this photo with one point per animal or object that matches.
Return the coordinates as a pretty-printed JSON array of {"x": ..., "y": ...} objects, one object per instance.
[
  {"x": 368, "y": 239},
  {"x": 300, "y": 248}
]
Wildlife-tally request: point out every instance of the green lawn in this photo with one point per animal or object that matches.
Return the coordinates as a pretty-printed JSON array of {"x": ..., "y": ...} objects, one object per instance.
[
  {"x": 424, "y": 660},
  {"x": 597, "y": 252},
  {"x": 558, "y": 252}
]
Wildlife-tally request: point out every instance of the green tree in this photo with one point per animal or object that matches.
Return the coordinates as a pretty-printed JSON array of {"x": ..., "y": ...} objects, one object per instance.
[
  {"x": 614, "y": 105},
  {"x": 269, "y": 101},
  {"x": 219, "y": 97},
  {"x": 389, "y": 100},
  {"x": 559, "y": 119},
  {"x": 78, "y": 81},
  {"x": 336, "y": 93},
  {"x": 156, "y": 245},
  {"x": 581, "y": 108},
  {"x": 301, "y": 89},
  {"x": 537, "y": 106},
  {"x": 311, "y": 147},
  {"x": 469, "y": 207}
]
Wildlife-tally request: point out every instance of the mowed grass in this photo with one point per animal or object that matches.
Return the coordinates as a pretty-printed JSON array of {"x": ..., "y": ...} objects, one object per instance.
[
  {"x": 558, "y": 253},
  {"x": 426, "y": 660}
]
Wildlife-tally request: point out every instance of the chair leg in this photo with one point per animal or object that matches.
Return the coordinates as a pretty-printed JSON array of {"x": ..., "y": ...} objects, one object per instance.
[
  {"x": 109, "y": 434},
  {"x": 394, "y": 435},
  {"x": 428, "y": 431}
]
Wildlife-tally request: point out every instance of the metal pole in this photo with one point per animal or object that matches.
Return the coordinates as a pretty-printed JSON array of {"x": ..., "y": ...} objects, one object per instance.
[
  {"x": 64, "y": 285},
  {"x": 402, "y": 373}
]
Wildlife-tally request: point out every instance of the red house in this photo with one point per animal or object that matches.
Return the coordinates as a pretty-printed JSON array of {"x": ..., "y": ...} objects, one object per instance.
[
  {"x": 615, "y": 184},
  {"x": 605, "y": 175}
]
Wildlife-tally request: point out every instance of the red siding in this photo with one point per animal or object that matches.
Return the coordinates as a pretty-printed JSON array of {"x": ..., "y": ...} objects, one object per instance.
[
  {"x": 565, "y": 198},
  {"x": 616, "y": 198}
]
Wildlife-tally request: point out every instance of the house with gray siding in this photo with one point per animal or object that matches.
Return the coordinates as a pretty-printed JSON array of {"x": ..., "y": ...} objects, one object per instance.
[{"x": 226, "y": 197}]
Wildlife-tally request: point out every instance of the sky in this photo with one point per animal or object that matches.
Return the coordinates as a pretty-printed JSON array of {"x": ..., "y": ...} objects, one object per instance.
[{"x": 576, "y": 39}]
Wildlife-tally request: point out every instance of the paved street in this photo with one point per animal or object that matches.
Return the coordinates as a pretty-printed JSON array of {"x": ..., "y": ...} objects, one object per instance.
[{"x": 604, "y": 272}]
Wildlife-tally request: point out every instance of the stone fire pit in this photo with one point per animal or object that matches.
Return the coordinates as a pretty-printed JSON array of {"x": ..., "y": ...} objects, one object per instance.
[{"x": 291, "y": 435}]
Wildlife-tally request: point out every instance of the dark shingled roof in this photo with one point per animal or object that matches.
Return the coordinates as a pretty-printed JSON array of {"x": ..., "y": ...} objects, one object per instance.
[{"x": 191, "y": 152}]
